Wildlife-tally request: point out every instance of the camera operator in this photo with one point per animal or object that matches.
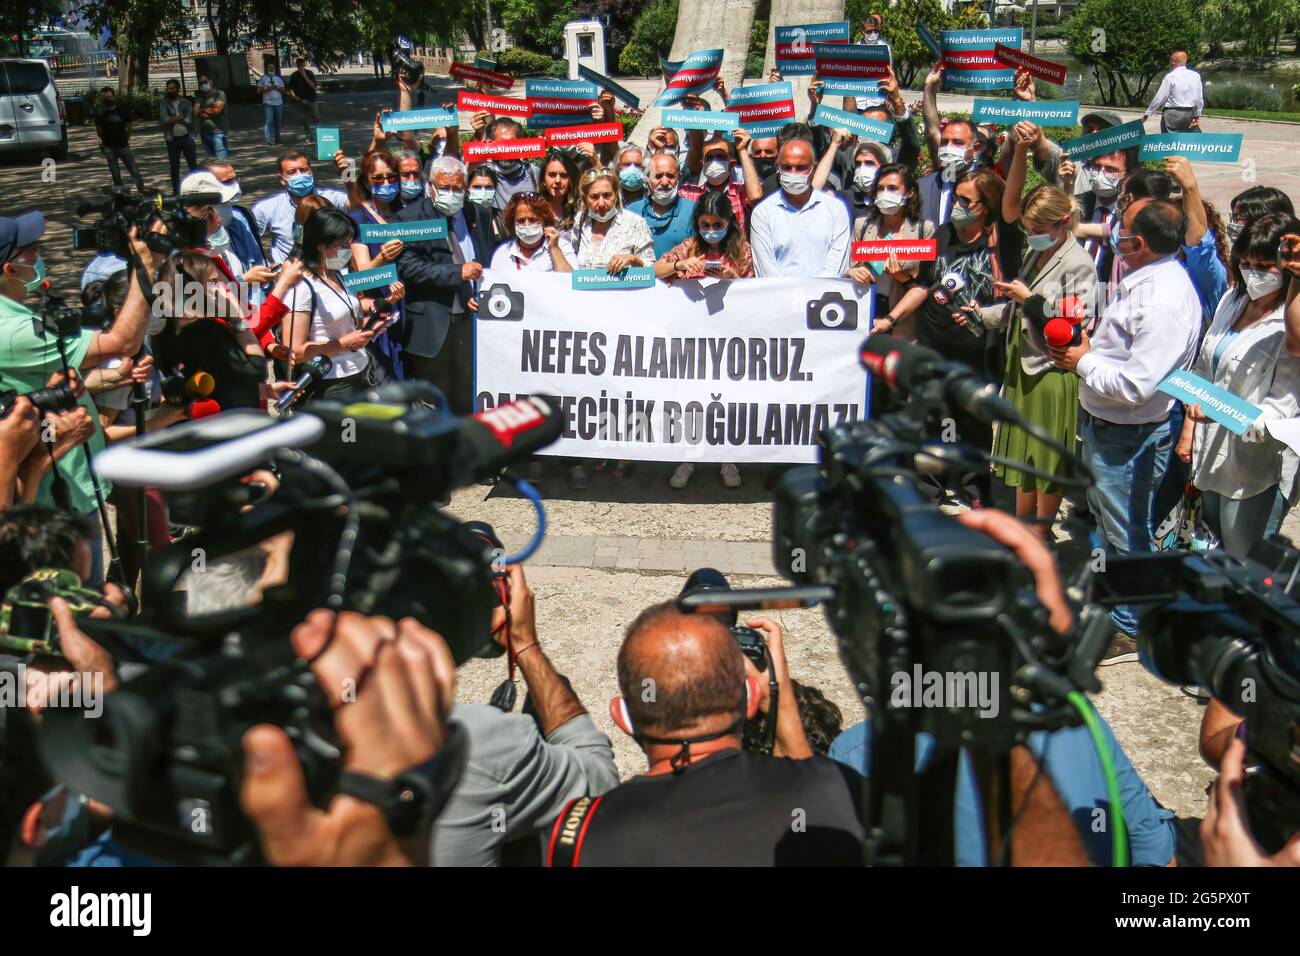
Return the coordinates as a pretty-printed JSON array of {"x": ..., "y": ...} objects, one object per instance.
[
  {"x": 686, "y": 692},
  {"x": 30, "y": 353},
  {"x": 522, "y": 770}
]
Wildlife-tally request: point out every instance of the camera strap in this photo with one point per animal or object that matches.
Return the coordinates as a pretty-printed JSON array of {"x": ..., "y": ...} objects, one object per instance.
[{"x": 570, "y": 829}]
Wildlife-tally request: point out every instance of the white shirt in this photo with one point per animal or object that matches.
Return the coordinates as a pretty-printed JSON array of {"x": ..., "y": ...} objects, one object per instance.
[
  {"x": 510, "y": 256},
  {"x": 627, "y": 235},
  {"x": 1179, "y": 90},
  {"x": 1255, "y": 366},
  {"x": 1149, "y": 329},
  {"x": 333, "y": 315},
  {"x": 275, "y": 213},
  {"x": 272, "y": 87},
  {"x": 800, "y": 242}
]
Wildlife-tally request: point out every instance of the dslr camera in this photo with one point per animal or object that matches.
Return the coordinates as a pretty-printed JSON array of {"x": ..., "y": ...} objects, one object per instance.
[
  {"x": 833, "y": 311},
  {"x": 57, "y": 398},
  {"x": 26, "y": 624},
  {"x": 405, "y": 64}
]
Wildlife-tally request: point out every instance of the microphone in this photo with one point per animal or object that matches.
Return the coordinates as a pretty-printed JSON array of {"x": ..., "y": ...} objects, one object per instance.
[
  {"x": 1061, "y": 334},
  {"x": 498, "y": 437},
  {"x": 202, "y": 408},
  {"x": 311, "y": 373},
  {"x": 178, "y": 388},
  {"x": 907, "y": 368}
]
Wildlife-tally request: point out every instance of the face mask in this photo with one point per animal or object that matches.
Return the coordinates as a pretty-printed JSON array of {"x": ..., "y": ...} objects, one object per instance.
[
  {"x": 713, "y": 236},
  {"x": 339, "y": 259},
  {"x": 1260, "y": 283},
  {"x": 1235, "y": 229},
  {"x": 765, "y": 165},
  {"x": 219, "y": 239},
  {"x": 1039, "y": 243},
  {"x": 204, "y": 87},
  {"x": 605, "y": 216},
  {"x": 796, "y": 184},
  {"x": 952, "y": 157},
  {"x": 1105, "y": 185},
  {"x": 448, "y": 201},
  {"x": 530, "y": 234},
  {"x": 632, "y": 178},
  {"x": 509, "y": 167},
  {"x": 871, "y": 37},
  {"x": 664, "y": 195},
  {"x": 483, "y": 195},
  {"x": 1113, "y": 238},
  {"x": 411, "y": 189},
  {"x": 39, "y": 267},
  {"x": 224, "y": 212},
  {"x": 890, "y": 202},
  {"x": 715, "y": 170},
  {"x": 301, "y": 184},
  {"x": 386, "y": 192},
  {"x": 234, "y": 184},
  {"x": 961, "y": 216},
  {"x": 864, "y": 177}
]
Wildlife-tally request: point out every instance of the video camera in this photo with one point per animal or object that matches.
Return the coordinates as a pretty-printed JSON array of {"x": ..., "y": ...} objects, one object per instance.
[
  {"x": 121, "y": 208},
  {"x": 405, "y": 64},
  {"x": 359, "y": 489}
]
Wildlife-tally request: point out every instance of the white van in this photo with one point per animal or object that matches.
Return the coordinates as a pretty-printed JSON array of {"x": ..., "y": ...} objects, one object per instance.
[{"x": 31, "y": 110}]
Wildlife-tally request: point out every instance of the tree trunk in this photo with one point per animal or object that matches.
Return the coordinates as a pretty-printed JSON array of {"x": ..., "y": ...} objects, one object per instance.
[
  {"x": 709, "y": 25},
  {"x": 786, "y": 12},
  {"x": 220, "y": 28}
]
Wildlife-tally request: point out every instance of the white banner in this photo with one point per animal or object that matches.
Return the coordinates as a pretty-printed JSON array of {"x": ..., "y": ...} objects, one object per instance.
[{"x": 708, "y": 370}]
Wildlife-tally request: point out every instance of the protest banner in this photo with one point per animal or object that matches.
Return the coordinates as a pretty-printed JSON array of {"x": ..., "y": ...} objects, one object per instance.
[
  {"x": 699, "y": 119},
  {"x": 700, "y": 370},
  {"x": 668, "y": 68},
  {"x": 633, "y": 277},
  {"x": 794, "y": 52},
  {"x": 1046, "y": 70},
  {"x": 860, "y": 89},
  {"x": 468, "y": 102},
  {"x": 1038, "y": 112},
  {"x": 560, "y": 106},
  {"x": 591, "y": 133},
  {"x": 370, "y": 278},
  {"x": 432, "y": 118},
  {"x": 970, "y": 61},
  {"x": 928, "y": 41},
  {"x": 560, "y": 89},
  {"x": 417, "y": 231},
  {"x": 878, "y": 250},
  {"x": 763, "y": 103},
  {"x": 475, "y": 74},
  {"x": 1201, "y": 147},
  {"x": 1105, "y": 141},
  {"x": 327, "y": 142},
  {"x": 481, "y": 150},
  {"x": 845, "y": 61},
  {"x": 605, "y": 83},
  {"x": 1231, "y": 411},
  {"x": 695, "y": 77},
  {"x": 864, "y": 126}
]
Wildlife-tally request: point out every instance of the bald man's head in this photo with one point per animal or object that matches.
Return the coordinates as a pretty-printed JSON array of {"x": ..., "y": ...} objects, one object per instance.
[
  {"x": 680, "y": 674},
  {"x": 1178, "y": 58}
]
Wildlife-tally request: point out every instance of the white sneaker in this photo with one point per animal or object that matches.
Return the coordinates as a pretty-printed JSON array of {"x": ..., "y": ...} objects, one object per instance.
[
  {"x": 730, "y": 476},
  {"x": 681, "y": 476}
]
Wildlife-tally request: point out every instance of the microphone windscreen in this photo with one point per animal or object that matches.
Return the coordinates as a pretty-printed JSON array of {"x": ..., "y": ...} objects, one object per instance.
[
  {"x": 1059, "y": 333},
  {"x": 203, "y": 408},
  {"x": 201, "y": 384},
  {"x": 1072, "y": 309}
]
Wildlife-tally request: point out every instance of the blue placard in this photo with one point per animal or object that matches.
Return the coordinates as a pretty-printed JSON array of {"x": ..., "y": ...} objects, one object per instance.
[
  {"x": 1105, "y": 141},
  {"x": 928, "y": 40},
  {"x": 634, "y": 277},
  {"x": 1231, "y": 411},
  {"x": 1038, "y": 112},
  {"x": 553, "y": 120},
  {"x": 370, "y": 278},
  {"x": 1201, "y": 147},
  {"x": 432, "y": 118},
  {"x": 867, "y": 53},
  {"x": 805, "y": 34},
  {"x": 695, "y": 77},
  {"x": 761, "y": 93},
  {"x": 605, "y": 83},
  {"x": 981, "y": 39},
  {"x": 327, "y": 142},
  {"x": 864, "y": 126},
  {"x": 561, "y": 89},
  {"x": 980, "y": 79},
  {"x": 860, "y": 89},
  {"x": 406, "y": 231},
  {"x": 698, "y": 119},
  {"x": 763, "y": 129}
]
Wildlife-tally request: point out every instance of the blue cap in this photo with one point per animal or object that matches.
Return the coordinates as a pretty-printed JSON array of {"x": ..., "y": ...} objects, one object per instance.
[{"x": 19, "y": 231}]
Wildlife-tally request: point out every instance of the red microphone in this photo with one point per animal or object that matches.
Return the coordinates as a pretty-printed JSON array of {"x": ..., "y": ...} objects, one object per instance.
[
  {"x": 1060, "y": 333},
  {"x": 202, "y": 408}
]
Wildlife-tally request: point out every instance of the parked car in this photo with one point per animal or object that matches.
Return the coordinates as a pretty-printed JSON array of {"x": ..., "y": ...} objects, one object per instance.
[{"x": 32, "y": 117}]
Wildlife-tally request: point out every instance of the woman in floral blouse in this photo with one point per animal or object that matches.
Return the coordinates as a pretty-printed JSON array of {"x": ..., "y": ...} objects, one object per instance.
[{"x": 605, "y": 235}]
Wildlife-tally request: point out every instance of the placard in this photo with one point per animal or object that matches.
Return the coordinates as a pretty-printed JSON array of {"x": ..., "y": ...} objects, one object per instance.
[
  {"x": 864, "y": 126},
  {"x": 910, "y": 250},
  {"x": 370, "y": 278},
  {"x": 1200, "y": 147},
  {"x": 468, "y": 102},
  {"x": 477, "y": 74},
  {"x": 794, "y": 53},
  {"x": 418, "y": 231},
  {"x": 477, "y": 151}
]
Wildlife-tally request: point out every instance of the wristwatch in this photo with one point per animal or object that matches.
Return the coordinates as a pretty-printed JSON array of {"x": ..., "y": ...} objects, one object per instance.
[{"x": 412, "y": 800}]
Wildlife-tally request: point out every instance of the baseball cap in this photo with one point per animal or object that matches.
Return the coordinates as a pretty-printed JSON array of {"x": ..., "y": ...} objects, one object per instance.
[
  {"x": 204, "y": 181},
  {"x": 19, "y": 231},
  {"x": 1105, "y": 117}
]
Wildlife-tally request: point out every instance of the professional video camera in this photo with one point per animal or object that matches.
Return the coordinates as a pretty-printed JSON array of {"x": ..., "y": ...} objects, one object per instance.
[
  {"x": 1231, "y": 626},
  {"x": 121, "y": 208},
  {"x": 405, "y": 64},
  {"x": 359, "y": 487}
]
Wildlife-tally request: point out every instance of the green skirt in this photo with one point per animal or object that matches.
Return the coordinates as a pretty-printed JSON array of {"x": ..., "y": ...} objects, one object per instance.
[{"x": 1051, "y": 401}]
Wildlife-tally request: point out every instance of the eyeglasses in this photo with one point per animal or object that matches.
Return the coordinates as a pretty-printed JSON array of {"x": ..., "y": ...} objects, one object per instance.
[{"x": 384, "y": 178}]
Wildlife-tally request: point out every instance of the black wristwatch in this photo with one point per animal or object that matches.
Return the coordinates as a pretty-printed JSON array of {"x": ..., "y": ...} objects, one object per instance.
[{"x": 412, "y": 800}]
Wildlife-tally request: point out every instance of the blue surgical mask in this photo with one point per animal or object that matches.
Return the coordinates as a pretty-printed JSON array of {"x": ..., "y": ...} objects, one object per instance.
[
  {"x": 219, "y": 240},
  {"x": 411, "y": 189},
  {"x": 483, "y": 195},
  {"x": 1039, "y": 242},
  {"x": 301, "y": 184},
  {"x": 39, "y": 267},
  {"x": 386, "y": 192},
  {"x": 632, "y": 177},
  {"x": 713, "y": 236}
]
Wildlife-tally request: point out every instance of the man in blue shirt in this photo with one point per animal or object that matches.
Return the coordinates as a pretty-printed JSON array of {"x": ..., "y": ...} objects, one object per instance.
[
  {"x": 670, "y": 217},
  {"x": 274, "y": 214}
]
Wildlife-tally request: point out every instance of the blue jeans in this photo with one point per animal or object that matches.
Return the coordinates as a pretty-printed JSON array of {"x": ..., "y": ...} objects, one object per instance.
[
  {"x": 274, "y": 122},
  {"x": 1127, "y": 463},
  {"x": 214, "y": 144}
]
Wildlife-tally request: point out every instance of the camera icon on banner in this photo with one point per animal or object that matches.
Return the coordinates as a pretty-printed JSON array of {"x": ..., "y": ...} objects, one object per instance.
[
  {"x": 833, "y": 311},
  {"x": 502, "y": 303}
]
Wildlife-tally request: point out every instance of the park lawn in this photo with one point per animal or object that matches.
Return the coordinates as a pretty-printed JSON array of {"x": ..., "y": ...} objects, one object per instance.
[{"x": 1256, "y": 114}]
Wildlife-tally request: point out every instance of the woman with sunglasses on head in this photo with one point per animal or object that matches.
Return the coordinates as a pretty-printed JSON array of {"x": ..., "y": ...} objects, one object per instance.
[
  {"x": 536, "y": 244},
  {"x": 379, "y": 189}
]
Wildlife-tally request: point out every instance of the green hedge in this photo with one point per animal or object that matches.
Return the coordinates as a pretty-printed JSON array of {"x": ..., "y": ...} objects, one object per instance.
[
  {"x": 1242, "y": 95},
  {"x": 517, "y": 61}
]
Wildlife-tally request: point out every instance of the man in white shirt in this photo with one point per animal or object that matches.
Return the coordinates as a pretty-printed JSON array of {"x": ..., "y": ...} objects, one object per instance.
[
  {"x": 275, "y": 213},
  {"x": 271, "y": 86},
  {"x": 1180, "y": 97},
  {"x": 799, "y": 231},
  {"x": 1150, "y": 328}
]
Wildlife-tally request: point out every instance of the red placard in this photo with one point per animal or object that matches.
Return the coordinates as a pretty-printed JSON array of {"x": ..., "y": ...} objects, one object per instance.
[
  {"x": 1046, "y": 70},
  {"x": 479, "y": 150},
  {"x": 468, "y": 102},
  {"x": 591, "y": 133},
  {"x": 757, "y": 112},
  {"x": 907, "y": 250},
  {"x": 971, "y": 59},
  {"x": 479, "y": 75},
  {"x": 550, "y": 107}
]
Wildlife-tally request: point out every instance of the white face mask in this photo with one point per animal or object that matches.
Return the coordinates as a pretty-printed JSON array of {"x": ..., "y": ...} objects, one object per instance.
[
  {"x": 340, "y": 259},
  {"x": 864, "y": 177},
  {"x": 530, "y": 233},
  {"x": 1105, "y": 185},
  {"x": 1260, "y": 283},
  {"x": 448, "y": 201},
  {"x": 890, "y": 202},
  {"x": 664, "y": 195},
  {"x": 716, "y": 170},
  {"x": 605, "y": 216},
  {"x": 796, "y": 184},
  {"x": 952, "y": 156},
  {"x": 219, "y": 240}
]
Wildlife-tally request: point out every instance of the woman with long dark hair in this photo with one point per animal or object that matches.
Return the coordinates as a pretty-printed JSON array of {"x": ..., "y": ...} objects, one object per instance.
[
  {"x": 716, "y": 246},
  {"x": 380, "y": 194}
]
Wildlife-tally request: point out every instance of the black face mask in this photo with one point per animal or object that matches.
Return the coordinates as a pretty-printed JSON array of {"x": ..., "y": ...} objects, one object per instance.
[
  {"x": 766, "y": 165},
  {"x": 509, "y": 167}
]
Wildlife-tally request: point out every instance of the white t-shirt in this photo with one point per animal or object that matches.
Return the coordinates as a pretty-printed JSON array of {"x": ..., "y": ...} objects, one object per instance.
[
  {"x": 335, "y": 315},
  {"x": 272, "y": 87},
  {"x": 510, "y": 256}
]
